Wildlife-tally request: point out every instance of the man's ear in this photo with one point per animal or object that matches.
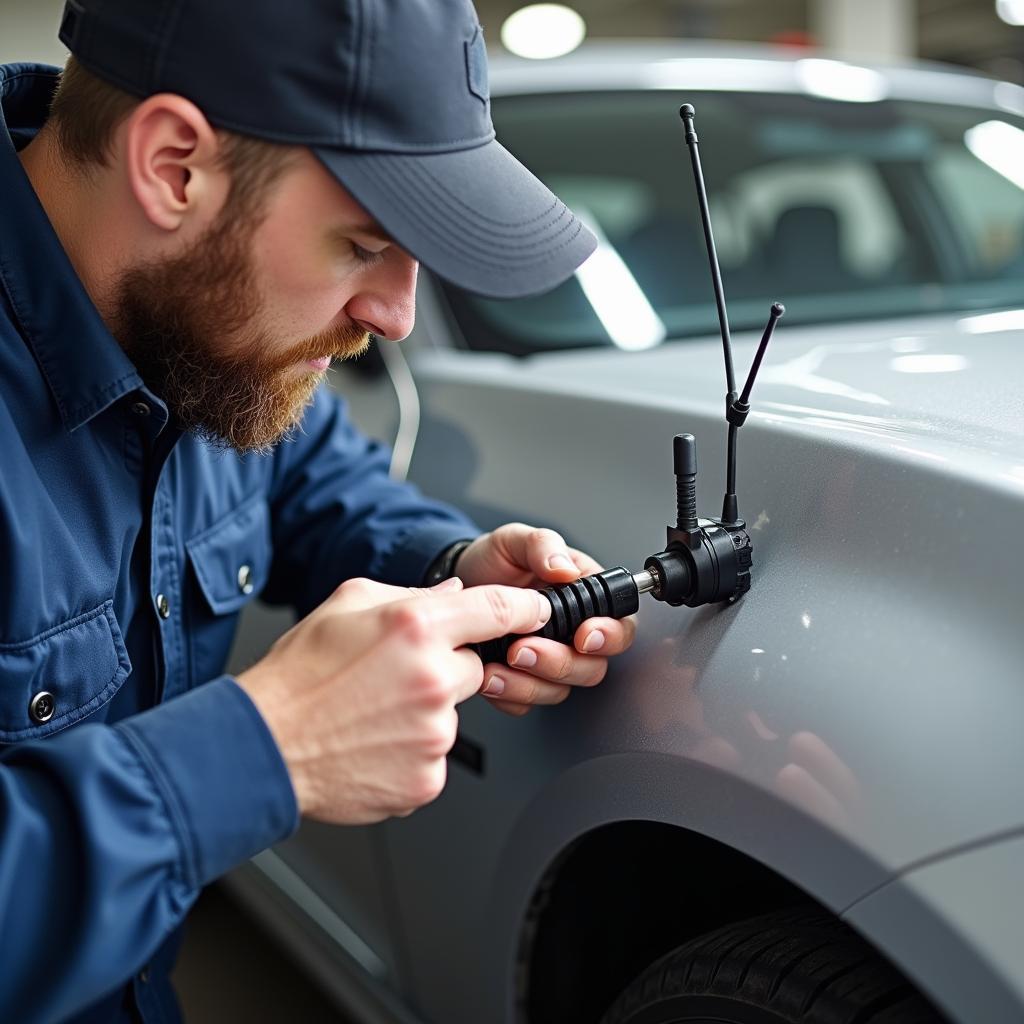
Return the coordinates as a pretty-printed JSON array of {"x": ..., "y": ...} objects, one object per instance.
[{"x": 171, "y": 159}]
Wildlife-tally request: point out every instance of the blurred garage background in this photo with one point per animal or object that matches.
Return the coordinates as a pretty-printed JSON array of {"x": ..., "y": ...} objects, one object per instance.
[
  {"x": 983, "y": 34},
  {"x": 230, "y": 970}
]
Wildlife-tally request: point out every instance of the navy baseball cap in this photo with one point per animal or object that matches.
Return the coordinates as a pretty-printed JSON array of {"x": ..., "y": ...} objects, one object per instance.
[{"x": 392, "y": 97}]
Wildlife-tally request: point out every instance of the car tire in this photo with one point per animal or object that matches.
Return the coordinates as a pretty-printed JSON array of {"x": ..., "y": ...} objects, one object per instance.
[{"x": 798, "y": 967}]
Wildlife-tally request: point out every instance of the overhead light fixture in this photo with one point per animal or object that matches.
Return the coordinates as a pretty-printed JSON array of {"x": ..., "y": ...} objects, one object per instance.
[
  {"x": 837, "y": 80},
  {"x": 540, "y": 31},
  {"x": 1001, "y": 146},
  {"x": 1011, "y": 11}
]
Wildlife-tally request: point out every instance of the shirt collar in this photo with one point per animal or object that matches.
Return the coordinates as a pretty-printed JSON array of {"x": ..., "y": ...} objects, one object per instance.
[{"x": 85, "y": 367}]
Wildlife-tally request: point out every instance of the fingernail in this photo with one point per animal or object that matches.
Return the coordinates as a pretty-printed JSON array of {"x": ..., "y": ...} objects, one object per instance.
[
  {"x": 495, "y": 686},
  {"x": 545, "y": 607},
  {"x": 594, "y": 642},
  {"x": 561, "y": 562},
  {"x": 524, "y": 658},
  {"x": 454, "y": 583}
]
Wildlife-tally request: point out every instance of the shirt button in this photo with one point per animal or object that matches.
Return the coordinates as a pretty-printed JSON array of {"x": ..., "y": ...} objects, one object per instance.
[
  {"x": 245, "y": 584},
  {"x": 42, "y": 707},
  {"x": 163, "y": 606},
  {"x": 140, "y": 409}
]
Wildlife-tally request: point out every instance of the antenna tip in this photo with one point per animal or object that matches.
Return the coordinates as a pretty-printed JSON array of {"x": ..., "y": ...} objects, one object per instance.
[
  {"x": 778, "y": 309},
  {"x": 686, "y": 111}
]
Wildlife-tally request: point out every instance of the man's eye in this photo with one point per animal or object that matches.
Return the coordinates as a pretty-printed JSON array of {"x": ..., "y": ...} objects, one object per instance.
[{"x": 365, "y": 255}]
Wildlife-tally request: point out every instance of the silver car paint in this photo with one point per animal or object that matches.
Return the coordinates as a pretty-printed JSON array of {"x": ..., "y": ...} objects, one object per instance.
[
  {"x": 858, "y": 712},
  {"x": 850, "y": 723},
  {"x": 967, "y": 899}
]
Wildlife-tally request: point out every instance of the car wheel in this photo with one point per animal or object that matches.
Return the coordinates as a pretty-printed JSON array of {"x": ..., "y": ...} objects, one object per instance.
[{"x": 798, "y": 967}]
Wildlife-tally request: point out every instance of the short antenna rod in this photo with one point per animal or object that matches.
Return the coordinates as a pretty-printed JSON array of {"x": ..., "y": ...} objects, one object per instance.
[
  {"x": 686, "y": 112},
  {"x": 737, "y": 413}
]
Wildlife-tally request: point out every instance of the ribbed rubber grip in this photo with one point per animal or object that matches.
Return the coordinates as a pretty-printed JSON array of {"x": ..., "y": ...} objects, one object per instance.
[{"x": 611, "y": 593}]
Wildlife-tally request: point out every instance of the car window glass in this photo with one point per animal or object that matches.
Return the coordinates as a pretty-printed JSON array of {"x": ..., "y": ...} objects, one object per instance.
[
  {"x": 841, "y": 210},
  {"x": 985, "y": 208}
]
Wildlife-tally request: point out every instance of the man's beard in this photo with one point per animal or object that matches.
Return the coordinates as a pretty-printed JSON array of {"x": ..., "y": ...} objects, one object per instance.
[{"x": 186, "y": 323}]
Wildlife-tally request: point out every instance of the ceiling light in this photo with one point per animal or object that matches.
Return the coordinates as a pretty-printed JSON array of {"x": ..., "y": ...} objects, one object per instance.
[
  {"x": 1011, "y": 11},
  {"x": 539, "y": 31},
  {"x": 837, "y": 80}
]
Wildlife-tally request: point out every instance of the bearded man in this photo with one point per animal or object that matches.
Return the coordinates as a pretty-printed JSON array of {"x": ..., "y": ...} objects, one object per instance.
[{"x": 212, "y": 202}]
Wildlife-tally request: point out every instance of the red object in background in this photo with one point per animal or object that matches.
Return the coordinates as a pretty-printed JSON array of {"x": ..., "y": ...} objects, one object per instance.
[{"x": 794, "y": 37}]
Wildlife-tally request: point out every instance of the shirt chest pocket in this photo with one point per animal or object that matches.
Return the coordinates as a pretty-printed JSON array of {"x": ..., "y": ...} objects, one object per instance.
[
  {"x": 231, "y": 562},
  {"x": 53, "y": 680}
]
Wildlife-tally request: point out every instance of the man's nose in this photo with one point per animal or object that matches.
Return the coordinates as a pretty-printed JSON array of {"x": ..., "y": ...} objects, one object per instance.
[{"x": 385, "y": 304}]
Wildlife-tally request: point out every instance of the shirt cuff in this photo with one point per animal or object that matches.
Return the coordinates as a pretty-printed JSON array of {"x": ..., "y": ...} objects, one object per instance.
[
  {"x": 220, "y": 773},
  {"x": 407, "y": 563}
]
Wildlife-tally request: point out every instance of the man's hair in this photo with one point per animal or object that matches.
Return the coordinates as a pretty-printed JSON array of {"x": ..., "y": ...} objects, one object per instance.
[{"x": 86, "y": 110}]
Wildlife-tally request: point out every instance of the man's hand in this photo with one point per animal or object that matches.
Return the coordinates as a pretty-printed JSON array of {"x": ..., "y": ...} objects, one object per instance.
[
  {"x": 360, "y": 695},
  {"x": 541, "y": 671}
]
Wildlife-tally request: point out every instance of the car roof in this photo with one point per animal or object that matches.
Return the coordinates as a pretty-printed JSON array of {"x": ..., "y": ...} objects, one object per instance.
[{"x": 641, "y": 66}]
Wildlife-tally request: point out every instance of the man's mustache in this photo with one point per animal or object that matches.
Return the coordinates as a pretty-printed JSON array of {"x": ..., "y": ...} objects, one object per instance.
[{"x": 344, "y": 342}]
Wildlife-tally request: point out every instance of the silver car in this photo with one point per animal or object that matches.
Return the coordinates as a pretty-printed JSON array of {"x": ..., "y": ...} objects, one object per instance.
[{"x": 806, "y": 806}]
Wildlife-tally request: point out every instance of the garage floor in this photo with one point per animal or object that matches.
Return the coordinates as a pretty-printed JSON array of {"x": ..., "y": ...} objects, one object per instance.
[{"x": 230, "y": 970}]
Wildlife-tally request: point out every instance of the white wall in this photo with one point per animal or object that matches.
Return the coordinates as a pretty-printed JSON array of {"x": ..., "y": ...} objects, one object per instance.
[{"x": 28, "y": 31}]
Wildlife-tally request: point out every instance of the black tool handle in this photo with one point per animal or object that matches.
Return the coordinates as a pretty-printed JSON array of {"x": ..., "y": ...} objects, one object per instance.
[{"x": 612, "y": 593}]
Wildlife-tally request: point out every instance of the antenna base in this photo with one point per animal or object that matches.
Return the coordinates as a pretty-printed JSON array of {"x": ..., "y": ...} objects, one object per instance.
[
  {"x": 731, "y": 512},
  {"x": 706, "y": 566}
]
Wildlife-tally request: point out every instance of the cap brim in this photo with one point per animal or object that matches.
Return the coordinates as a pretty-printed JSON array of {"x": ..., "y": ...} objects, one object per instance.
[{"x": 476, "y": 217}]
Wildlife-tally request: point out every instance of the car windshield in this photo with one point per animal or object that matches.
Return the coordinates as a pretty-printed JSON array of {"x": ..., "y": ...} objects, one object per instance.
[{"x": 841, "y": 210}]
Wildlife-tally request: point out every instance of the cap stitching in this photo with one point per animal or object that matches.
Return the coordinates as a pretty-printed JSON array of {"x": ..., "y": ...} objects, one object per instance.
[
  {"x": 416, "y": 213},
  {"x": 520, "y": 237},
  {"x": 384, "y": 162},
  {"x": 366, "y": 71},
  {"x": 390, "y": 167},
  {"x": 486, "y": 235},
  {"x": 153, "y": 50},
  {"x": 349, "y": 128},
  {"x": 169, "y": 22},
  {"x": 444, "y": 188}
]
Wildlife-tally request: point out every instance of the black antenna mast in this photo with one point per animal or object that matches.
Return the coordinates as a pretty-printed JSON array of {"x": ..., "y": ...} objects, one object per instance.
[{"x": 736, "y": 408}]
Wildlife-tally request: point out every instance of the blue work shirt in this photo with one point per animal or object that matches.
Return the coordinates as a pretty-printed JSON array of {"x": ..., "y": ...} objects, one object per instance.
[{"x": 127, "y": 551}]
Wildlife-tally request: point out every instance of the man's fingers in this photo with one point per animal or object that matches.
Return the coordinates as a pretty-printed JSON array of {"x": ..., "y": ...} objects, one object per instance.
[
  {"x": 605, "y": 636},
  {"x": 479, "y": 613},
  {"x": 543, "y": 552},
  {"x": 356, "y": 594},
  {"x": 586, "y": 565},
  {"x": 467, "y": 674},
  {"x": 501, "y": 682},
  {"x": 508, "y": 707},
  {"x": 554, "y": 662}
]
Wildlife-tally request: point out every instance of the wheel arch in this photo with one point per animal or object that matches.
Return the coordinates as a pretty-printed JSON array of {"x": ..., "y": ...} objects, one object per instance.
[{"x": 633, "y": 818}]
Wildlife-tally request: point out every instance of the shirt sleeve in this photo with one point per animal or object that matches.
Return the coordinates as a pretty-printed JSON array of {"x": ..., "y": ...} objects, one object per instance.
[
  {"x": 337, "y": 514},
  {"x": 109, "y": 832}
]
